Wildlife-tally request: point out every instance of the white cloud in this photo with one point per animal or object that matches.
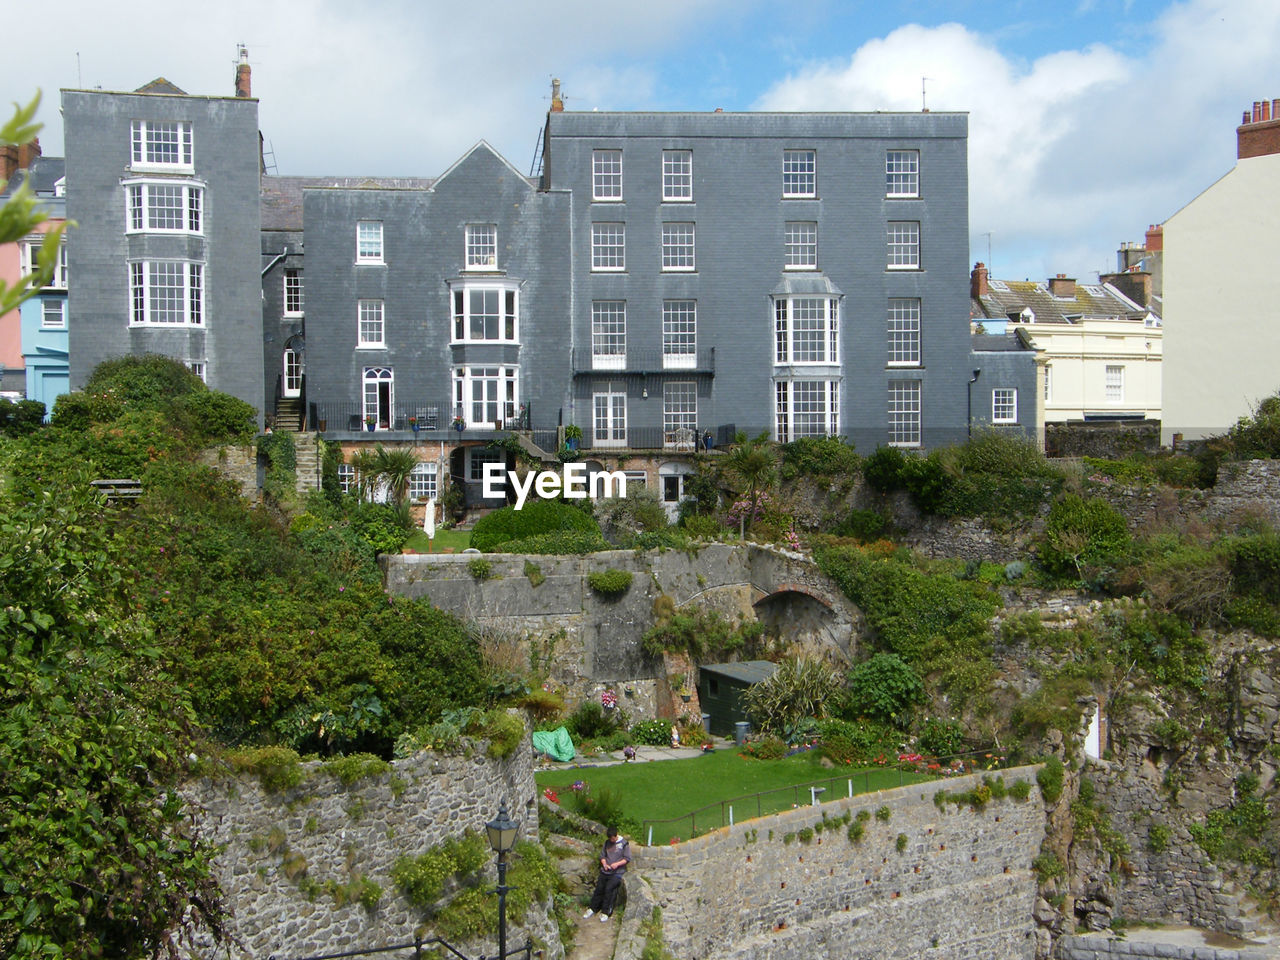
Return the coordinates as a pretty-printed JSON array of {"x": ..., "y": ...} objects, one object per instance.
[{"x": 1077, "y": 150}]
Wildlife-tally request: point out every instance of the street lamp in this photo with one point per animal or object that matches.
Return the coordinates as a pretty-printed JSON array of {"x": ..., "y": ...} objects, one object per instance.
[{"x": 502, "y": 832}]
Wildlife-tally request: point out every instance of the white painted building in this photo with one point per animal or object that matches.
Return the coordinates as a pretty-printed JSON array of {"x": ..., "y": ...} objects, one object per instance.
[
  {"x": 1221, "y": 286},
  {"x": 1100, "y": 345}
]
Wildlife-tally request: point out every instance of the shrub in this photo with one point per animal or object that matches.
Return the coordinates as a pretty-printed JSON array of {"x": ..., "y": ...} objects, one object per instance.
[
  {"x": 863, "y": 525},
  {"x": 818, "y": 457},
  {"x": 20, "y": 417},
  {"x": 844, "y": 741},
  {"x": 1048, "y": 867},
  {"x": 883, "y": 814},
  {"x": 561, "y": 543},
  {"x": 884, "y": 688},
  {"x": 768, "y": 747},
  {"x": 494, "y": 530},
  {"x": 590, "y": 721},
  {"x": 504, "y": 731},
  {"x": 640, "y": 511},
  {"x": 798, "y": 689},
  {"x": 702, "y": 527},
  {"x": 1158, "y": 837},
  {"x": 1020, "y": 790},
  {"x": 697, "y": 632},
  {"x": 1082, "y": 533},
  {"x": 856, "y": 831},
  {"x": 211, "y": 416},
  {"x": 356, "y": 766},
  {"x": 480, "y": 568},
  {"x": 148, "y": 381},
  {"x": 610, "y": 583},
  {"x": 422, "y": 879},
  {"x": 1050, "y": 779},
  {"x": 653, "y": 733},
  {"x": 940, "y": 737},
  {"x": 883, "y": 469}
]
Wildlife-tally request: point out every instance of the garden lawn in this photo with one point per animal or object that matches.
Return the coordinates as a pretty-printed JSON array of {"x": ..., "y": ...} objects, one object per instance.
[
  {"x": 458, "y": 540},
  {"x": 670, "y": 790}
]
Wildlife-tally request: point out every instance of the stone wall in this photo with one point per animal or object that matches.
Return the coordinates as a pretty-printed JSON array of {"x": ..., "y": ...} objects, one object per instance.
[
  {"x": 961, "y": 887},
  {"x": 236, "y": 463},
  {"x": 1105, "y": 947},
  {"x": 593, "y": 642},
  {"x": 324, "y": 831}
]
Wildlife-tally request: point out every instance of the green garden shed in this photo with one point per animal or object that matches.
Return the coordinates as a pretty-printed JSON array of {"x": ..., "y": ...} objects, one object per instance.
[{"x": 722, "y": 689}]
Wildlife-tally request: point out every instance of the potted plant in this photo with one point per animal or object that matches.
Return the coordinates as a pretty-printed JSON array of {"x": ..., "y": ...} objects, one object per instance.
[
  {"x": 459, "y": 424},
  {"x": 679, "y": 685},
  {"x": 370, "y": 423},
  {"x": 572, "y": 436},
  {"x": 413, "y": 424}
]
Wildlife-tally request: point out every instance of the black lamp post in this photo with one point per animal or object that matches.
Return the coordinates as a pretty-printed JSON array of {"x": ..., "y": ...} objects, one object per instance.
[
  {"x": 969, "y": 404},
  {"x": 502, "y": 832}
]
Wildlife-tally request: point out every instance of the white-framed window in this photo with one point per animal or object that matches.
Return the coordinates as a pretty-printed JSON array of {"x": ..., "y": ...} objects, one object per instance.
[
  {"x": 371, "y": 329},
  {"x": 806, "y": 408},
  {"x": 800, "y": 245},
  {"x": 486, "y": 396},
  {"x": 904, "y": 332},
  {"x": 1048, "y": 382},
  {"x": 904, "y": 413},
  {"x": 679, "y": 334},
  {"x": 806, "y": 330},
  {"x": 369, "y": 241},
  {"x": 1115, "y": 384},
  {"x": 29, "y": 255},
  {"x": 346, "y": 477},
  {"x": 482, "y": 246},
  {"x": 609, "y": 415},
  {"x": 292, "y": 292},
  {"x": 53, "y": 313},
  {"x": 677, "y": 246},
  {"x": 1004, "y": 405},
  {"x": 422, "y": 481},
  {"x": 799, "y": 173},
  {"x": 679, "y": 411},
  {"x": 161, "y": 144},
  {"x": 606, "y": 175},
  {"x": 902, "y": 173},
  {"x": 166, "y": 292},
  {"x": 487, "y": 313},
  {"x": 677, "y": 175},
  {"x": 608, "y": 334},
  {"x": 904, "y": 244},
  {"x": 608, "y": 246},
  {"x": 166, "y": 206},
  {"x": 198, "y": 367},
  {"x": 379, "y": 394}
]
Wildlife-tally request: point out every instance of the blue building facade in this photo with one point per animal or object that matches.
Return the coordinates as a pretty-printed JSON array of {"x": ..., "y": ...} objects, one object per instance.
[{"x": 44, "y": 346}]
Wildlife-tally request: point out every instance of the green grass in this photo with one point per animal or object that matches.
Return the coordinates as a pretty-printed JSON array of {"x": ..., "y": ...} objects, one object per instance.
[
  {"x": 669, "y": 789},
  {"x": 459, "y": 540}
]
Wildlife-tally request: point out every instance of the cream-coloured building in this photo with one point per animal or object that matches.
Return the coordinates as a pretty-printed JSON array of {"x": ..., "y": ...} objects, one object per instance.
[
  {"x": 1100, "y": 345},
  {"x": 1222, "y": 284}
]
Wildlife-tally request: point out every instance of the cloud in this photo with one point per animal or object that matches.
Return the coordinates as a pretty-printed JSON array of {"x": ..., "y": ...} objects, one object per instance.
[{"x": 1077, "y": 150}]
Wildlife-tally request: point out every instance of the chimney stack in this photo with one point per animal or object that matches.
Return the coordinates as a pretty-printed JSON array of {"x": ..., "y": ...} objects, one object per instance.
[
  {"x": 17, "y": 156},
  {"x": 557, "y": 102},
  {"x": 1259, "y": 132},
  {"x": 978, "y": 281},
  {"x": 1155, "y": 238},
  {"x": 1135, "y": 284},
  {"x": 1063, "y": 286},
  {"x": 243, "y": 84}
]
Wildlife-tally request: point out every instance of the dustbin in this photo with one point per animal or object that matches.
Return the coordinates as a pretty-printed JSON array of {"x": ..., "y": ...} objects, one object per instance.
[
  {"x": 740, "y": 731},
  {"x": 706, "y": 723}
]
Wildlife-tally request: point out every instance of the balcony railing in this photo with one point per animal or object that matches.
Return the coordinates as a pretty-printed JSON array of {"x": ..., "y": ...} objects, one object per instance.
[
  {"x": 433, "y": 416},
  {"x": 644, "y": 363}
]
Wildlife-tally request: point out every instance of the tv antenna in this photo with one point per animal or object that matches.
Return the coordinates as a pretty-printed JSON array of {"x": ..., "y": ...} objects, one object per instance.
[{"x": 924, "y": 107}]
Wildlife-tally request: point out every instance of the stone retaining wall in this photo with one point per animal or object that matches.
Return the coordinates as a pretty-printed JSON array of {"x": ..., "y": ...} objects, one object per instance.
[
  {"x": 962, "y": 886},
  {"x": 1104, "y": 947},
  {"x": 326, "y": 832}
]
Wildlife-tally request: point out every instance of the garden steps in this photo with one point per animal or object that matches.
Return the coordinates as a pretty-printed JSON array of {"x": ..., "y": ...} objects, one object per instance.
[
  {"x": 594, "y": 940},
  {"x": 307, "y": 472}
]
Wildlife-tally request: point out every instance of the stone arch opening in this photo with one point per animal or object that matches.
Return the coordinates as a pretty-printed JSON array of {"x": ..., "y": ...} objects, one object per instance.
[{"x": 796, "y": 618}]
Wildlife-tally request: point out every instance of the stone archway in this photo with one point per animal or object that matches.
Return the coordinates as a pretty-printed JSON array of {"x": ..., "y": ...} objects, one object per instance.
[{"x": 806, "y": 622}]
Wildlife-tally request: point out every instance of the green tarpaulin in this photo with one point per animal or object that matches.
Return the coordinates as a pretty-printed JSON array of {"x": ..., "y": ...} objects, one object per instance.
[{"x": 554, "y": 743}]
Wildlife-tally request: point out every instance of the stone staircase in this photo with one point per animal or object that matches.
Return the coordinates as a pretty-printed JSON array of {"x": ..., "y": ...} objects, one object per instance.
[
  {"x": 576, "y": 862},
  {"x": 288, "y": 415},
  {"x": 1251, "y": 922},
  {"x": 308, "y": 453}
]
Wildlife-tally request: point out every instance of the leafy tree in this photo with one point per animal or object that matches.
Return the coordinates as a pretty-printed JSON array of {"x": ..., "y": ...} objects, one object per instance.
[
  {"x": 394, "y": 467},
  {"x": 97, "y": 855},
  {"x": 752, "y": 464}
]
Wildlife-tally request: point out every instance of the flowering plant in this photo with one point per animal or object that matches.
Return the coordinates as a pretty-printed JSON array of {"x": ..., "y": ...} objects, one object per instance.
[
  {"x": 609, "y": 699},
  {"x": 792, "y": 540},
  {"x": 370, "y": 420},
  {"x": 413, "y": 421},
  {"x": 459, "y": 424},
  {"x": 551, "y": 795}
]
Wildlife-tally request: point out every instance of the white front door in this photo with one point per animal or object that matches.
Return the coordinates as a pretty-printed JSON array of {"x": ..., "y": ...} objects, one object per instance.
[{"x": 292, "y": 373}]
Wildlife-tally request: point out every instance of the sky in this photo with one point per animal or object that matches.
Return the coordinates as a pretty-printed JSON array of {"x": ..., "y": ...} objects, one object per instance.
[{"x": 1088, "y": 120}]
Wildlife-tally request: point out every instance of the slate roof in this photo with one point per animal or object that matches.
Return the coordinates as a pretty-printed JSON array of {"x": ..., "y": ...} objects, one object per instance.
[
  {"x": 161, "y": 85},
  {"x": 43, "y": 174},
  {"x": 748, "y": 671},
  {"x": 282, "y": 196},
  {"x": 1009, "y": 342},
  {"x": 806, "y": 284},
  {"x": 1091, "y": 300}
]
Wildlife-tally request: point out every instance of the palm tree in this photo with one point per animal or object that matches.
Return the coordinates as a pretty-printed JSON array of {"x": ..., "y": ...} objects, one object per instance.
[
  {"x": 364, "y": 463},
  {"x": 394, "y": 467},
  {"x": 752, "y": 463}
]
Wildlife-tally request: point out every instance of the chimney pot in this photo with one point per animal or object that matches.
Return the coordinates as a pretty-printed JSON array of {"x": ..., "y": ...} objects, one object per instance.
[
  {"x": 1266, "y": 110},
  {"x": 1257, "y": 110},
  {"x": 557, "y": 102}
]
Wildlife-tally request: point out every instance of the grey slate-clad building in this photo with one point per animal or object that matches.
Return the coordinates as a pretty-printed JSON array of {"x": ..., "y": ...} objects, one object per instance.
[
  {"x": 803, "y": 274},
  {"x": 1004, "y": 396},
  {"x": 164, "y": 187}
]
